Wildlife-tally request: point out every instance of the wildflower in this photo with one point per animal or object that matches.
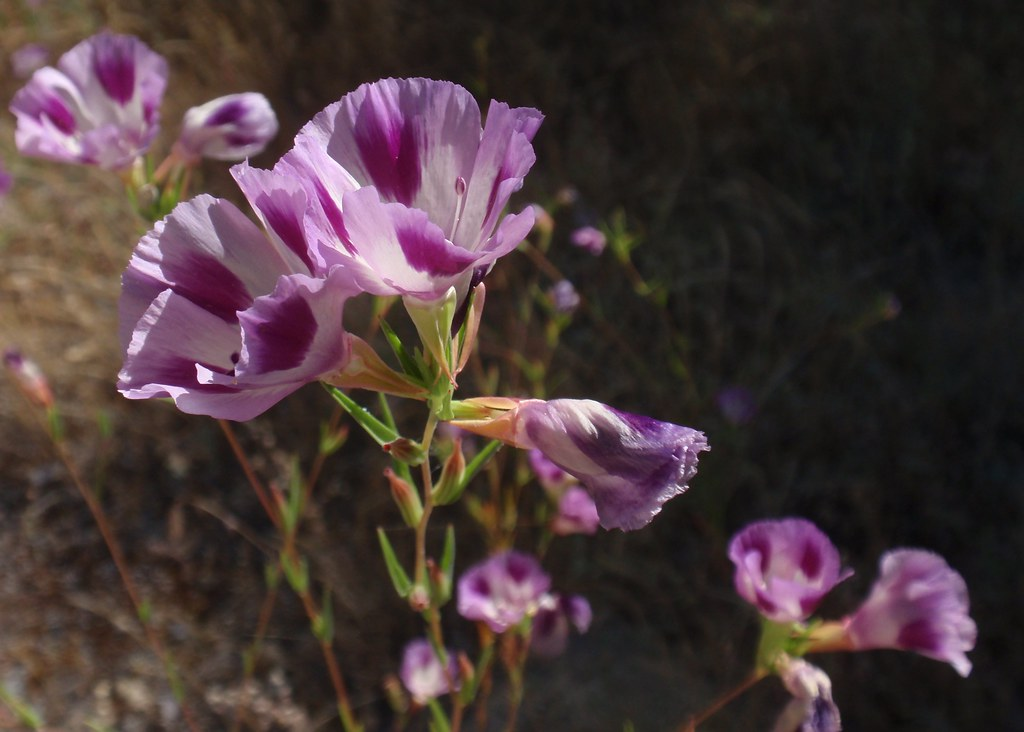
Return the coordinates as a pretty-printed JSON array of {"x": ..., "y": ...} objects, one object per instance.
[
  {"x": 784, "y": 567},
  {"x": 233, "y": 127},
  {"x": 100, "y": 106},
  {"x": 630, "y": 464},
  {"x": 917, "y": 604},
  {"x": 502, "y": 590},
  {"x": 553, "y": 479},
  {"x": 549, "y": 633},
  {"x": 224, "y": 320},
  {"x": 564, "y": 297},
  {"x": 577, "y": 513},
  {"x": 30, "y": 378},
  {"x": 589, "y": 239},
  {"x": 423, "y": 674},
  {"x": 408, "y": 190},
  {"x": 811, "y": 709},
  {"x": 28, "y": 58}
]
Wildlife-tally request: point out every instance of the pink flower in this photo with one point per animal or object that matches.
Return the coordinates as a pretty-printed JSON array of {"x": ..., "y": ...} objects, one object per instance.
[
  {"x": 589, "y": 239},
  {"x": 577, "y": 513},
  {"x": 917, "y": 604},
  {"x": 100, "y": 106},
  {"x": 785, "y": 567},
  {"x": 549, "y": 634},
  {"x": 407, "y": 190},
  {"x": 630, "y": 464},
  {"x": 233, "y": 127},
  {"x": 811, "y": 709},
  {"x": 503, "y": 590},
  {"x": 422, "y": 673}
]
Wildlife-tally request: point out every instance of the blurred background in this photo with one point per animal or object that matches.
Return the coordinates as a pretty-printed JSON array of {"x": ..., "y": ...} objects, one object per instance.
[{"x": 828, "y": 200}]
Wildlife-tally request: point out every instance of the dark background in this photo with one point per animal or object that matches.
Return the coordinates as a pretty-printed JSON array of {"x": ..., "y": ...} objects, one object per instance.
[{"x": 832, "y": 197}]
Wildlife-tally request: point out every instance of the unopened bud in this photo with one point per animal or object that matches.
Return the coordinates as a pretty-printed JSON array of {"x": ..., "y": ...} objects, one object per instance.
[
  {"x": 30, "y": 378},
  {"x": 451, "y": 484},
  {"x": 405, "y": 451},
  {"x": 395, "y": 694},
  {"x": 466, "y": 671},
  {"x": 406, "y": 498},
  {"x": 440, "y": 583},
  {"x": 419, "y": 598}
]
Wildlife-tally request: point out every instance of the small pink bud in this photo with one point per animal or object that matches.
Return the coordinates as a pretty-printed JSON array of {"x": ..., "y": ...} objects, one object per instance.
[
  {"x": 30, "y": 378},
  {"x": 406, "y": 498},
  {"x": 233, "y": 127}
]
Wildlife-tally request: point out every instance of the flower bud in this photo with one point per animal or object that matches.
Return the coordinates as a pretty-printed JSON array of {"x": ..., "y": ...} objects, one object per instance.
[
  {"x": 450, "y": 485},
  {"x": 31, "y": 379},
  {"x": 406, "y": 498},
  {"x": 233, "y": 127}
]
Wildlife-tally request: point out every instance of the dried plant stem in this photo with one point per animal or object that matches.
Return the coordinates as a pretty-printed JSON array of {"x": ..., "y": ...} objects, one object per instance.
[
  {"x": 262, "y": 623},
  {"x": 289, "y": 550},
  {"x": 721, "y": 702},
  {"x": 117, "y": 554}
]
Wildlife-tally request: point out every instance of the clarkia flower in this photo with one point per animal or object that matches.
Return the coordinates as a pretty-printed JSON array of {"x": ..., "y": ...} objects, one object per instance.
[
  {"x": 100, "y": 106},
  {"x": 28, "y": 58},
  {"x": 577, "y": 513},
  {"x": 630, "y": 464},
  {"x": 589, "y": 239},
  {"x": 564, "y": 298},
  {"x": 407, "y": 189},
  {"x": 223, "y": 319},
  {"x": 549, "y": 633},
  {"x": 30, "y": 378},
  {"x": 233, "y": 127},
  {"x": 784, "y": 567},
  {"x": 553, "y": 479},
  {"x": 917, "y": 604},
  {"x": 811, "y": 709},
  {"x": 423, "y": 674},
  {"x": 502, "y": 590}
]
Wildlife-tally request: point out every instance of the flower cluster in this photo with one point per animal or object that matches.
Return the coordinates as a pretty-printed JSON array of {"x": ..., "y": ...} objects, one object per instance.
[
  {"x": 784, "y": 568},
  {"x": 101, "y": 106}
]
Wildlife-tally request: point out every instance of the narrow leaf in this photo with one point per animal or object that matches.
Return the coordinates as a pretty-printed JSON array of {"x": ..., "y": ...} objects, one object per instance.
[
  {"x": 399, "y": 578},
  {"x": 379, "y": 431}
]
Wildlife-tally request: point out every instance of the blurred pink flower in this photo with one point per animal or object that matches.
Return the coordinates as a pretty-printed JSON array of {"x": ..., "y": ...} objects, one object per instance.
[
  {"x": 28, "y": 58},
  {"x": 917, "y": 604},
  {"x": 100, "y": 106},
  {"x": 785, "y": 567},
  {"x": 233, "y": 127},
  {"x": 589, "y": 239}
]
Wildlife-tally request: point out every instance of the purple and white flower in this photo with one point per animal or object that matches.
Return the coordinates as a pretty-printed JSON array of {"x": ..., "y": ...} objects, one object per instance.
[
  {"x": 564, "y": 298},
  {"x": 784, "y": 567},
  {"x": 590, "y": 239},
  {"x": 28, "y": 58},
  {"x": 811, "y": 709},
  {"x": 630, "y": 464},
  {"x": 549, "y": 633},
  {"x": 223, "y": 319},
  {"x": 577, "y": 513},
  {"x": 423, "y": 674},
  {"x": 407, "y": 190},
  {"x": 917, "y": 604},
  {"x": 551, "y": 477},
  {"x": 503, "y": 590},
  {"x": 233, "y": 127},
  {"x": 100, "y": 106}
]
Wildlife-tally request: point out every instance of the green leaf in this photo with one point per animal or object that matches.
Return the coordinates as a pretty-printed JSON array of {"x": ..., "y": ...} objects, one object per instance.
[
  {"x": 409, "y": 365},
  {"x": 475, "y": 465},
  {"x": 439, "y": 718},
  {"x": 379, "y": 431},
  {"x": 399, "y": 578}
]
